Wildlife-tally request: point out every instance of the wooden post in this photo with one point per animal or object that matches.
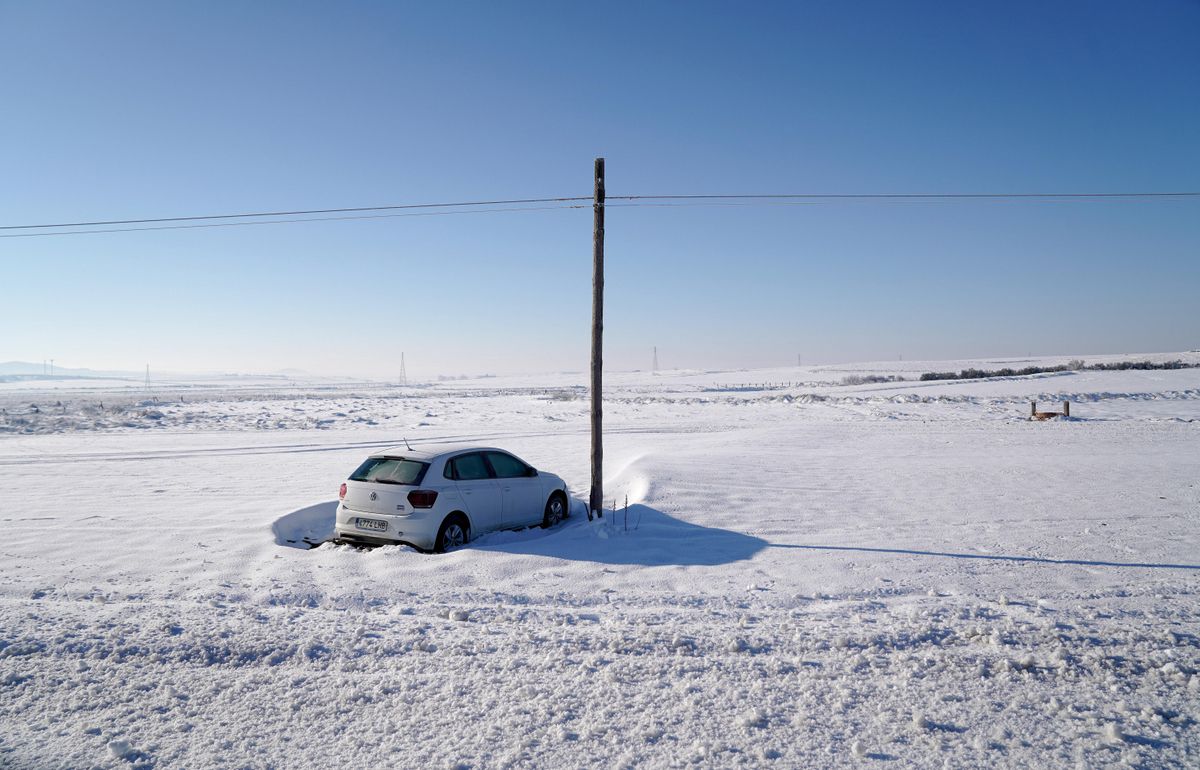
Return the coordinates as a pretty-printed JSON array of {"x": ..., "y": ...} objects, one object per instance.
[
  {"x": 596, "y": 499},
  {"x": 1033, "y": 409},
  {"x": 1066, "y": 409}
]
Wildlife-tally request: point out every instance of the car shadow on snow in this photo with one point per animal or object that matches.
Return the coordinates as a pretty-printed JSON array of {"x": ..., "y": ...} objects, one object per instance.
[
  {"x": 306, "y": 527},
  {"x": 641, "y": 536}
]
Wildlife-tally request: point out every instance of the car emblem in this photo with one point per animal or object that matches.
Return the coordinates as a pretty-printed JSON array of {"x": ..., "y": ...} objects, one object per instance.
[{"x": 374, "y": 496}]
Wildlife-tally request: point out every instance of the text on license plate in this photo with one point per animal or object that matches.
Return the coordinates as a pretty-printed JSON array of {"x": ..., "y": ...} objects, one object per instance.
[{"x": 373, "y": 524}]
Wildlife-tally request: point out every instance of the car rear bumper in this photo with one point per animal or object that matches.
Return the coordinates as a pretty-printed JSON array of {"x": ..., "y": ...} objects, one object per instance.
[{"x": 419, "y": 529}]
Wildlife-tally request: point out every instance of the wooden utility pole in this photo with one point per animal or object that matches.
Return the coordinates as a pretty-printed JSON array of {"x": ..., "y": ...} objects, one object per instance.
[{"x": 596, "y": 499}]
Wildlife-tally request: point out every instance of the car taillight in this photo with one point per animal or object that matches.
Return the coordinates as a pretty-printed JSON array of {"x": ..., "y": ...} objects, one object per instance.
[
  {"x": 422, "y": 498},
  {"x": 342, "y": 492}
]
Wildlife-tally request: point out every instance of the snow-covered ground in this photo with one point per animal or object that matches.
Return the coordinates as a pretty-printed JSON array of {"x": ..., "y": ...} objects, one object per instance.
[{"x": 809, "y": 574}]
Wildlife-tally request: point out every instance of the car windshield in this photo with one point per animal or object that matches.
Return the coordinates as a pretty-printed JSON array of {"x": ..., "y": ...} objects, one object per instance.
[{"x": 390, "y": 470}]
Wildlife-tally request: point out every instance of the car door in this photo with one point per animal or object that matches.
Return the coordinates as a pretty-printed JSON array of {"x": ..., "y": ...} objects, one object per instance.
[
  {"x": 480, "y": 492},
  {"x": 522, "y": 492}
]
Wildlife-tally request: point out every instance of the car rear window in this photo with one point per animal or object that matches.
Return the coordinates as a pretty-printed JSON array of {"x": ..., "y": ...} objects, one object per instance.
[{"x": 390, "y": 470}]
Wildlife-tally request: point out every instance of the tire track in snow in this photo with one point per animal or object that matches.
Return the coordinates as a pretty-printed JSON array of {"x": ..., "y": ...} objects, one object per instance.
[{"x": 260, "y": 449}]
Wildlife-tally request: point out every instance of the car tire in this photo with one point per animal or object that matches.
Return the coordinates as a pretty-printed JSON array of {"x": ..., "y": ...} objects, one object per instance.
[
  {"x": 556, "y": 510},
  {"x": 454, "y": 533}
]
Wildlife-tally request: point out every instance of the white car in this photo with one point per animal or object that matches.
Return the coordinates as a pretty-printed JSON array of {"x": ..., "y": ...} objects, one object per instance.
[{"x": 439, "y": 499}]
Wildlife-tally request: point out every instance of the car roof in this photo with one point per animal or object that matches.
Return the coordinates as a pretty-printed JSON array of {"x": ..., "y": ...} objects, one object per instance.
[{"x": 430, "y": 453}]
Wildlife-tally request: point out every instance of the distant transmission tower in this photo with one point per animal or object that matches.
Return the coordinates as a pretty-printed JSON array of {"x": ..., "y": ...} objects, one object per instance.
[
  {"x": 403, "y": 372},
  {"x": 655, "y": 369},
  {"x": 798, "y": 360},
  {"x": 147, "y": 376}
]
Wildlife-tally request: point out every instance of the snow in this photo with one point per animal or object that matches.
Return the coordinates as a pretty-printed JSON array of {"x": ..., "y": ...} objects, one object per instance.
[{"x": 807, "y": 574}]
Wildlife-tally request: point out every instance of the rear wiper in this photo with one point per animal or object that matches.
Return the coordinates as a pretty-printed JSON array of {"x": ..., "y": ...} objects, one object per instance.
[{"x": 387, "y": 481}]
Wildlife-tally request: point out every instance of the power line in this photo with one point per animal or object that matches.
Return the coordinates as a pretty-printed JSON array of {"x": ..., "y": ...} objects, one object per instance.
[
  {"x": 886, "y": 196},
  {"x": 286, "y": 221},
  {"x": 293, "y": 213},
  {"x": 916, "y": 201},
  {"x": 521, "y": 204}
]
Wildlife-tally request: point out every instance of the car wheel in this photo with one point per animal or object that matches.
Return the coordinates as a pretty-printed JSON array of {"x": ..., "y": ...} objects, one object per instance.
[
  {"x": 556, "y": 510},
  {"x": 453, "y": 533}
]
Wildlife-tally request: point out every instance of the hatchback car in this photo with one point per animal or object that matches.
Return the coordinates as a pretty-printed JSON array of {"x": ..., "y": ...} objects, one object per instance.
[{"x": 439, "y": 499}]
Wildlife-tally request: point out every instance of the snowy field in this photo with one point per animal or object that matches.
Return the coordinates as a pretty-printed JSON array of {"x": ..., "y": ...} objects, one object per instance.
[{"x": 808, "y": 574}]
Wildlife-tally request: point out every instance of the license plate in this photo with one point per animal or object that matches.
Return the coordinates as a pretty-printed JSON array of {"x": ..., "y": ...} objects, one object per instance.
[{"x": 372, "y": 524}]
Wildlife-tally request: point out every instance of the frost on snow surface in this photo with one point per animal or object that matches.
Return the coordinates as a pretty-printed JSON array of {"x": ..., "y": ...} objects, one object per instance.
[{"x": 808, "y": 574}]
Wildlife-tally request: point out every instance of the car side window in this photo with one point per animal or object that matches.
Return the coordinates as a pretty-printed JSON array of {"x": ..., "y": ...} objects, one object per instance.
[
  {"x": 507, "y": 466},
  {"x": 469, "y": 467}
]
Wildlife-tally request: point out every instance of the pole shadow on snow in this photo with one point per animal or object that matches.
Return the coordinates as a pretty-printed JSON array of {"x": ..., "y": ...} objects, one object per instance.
[
  {"x": 985, "y": 556},
  {"x": 644, "y": 536}
]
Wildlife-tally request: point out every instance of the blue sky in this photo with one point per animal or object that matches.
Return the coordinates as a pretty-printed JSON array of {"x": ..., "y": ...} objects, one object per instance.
[{"x": 130, "y": 110}]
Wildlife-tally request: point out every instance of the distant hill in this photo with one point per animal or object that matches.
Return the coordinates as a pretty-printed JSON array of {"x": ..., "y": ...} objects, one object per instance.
[{"x": 38, "y": 370}]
